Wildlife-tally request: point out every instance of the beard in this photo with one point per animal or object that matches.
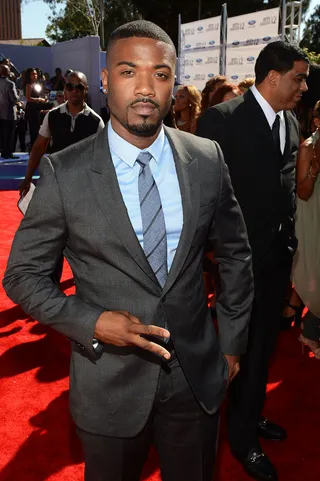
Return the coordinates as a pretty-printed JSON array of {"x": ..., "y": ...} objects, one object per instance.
[{"x": 144, "y": 127}]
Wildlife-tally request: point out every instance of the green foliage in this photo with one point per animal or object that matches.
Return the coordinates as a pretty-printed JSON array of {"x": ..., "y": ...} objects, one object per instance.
[
  {"x": 69, "y": 23},
  {"x": 313, "y": 56},
  {"x": 311, "y": 37}
]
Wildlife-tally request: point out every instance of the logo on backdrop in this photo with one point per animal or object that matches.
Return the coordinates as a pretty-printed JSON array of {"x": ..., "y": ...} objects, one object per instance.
[
  {"x": 212, "y": 42},
  {"x": 266, "y": 39},
  {"x": 250, "y": 59},
  {"x": 210, "y": 75},
  {"x": 212, "y": 60},
  {"x": 236, "y": 61},
  {"x": 199, "y": 76},
  {"x": 251, "y": 41},
  {"x": 252, "y": 22},
  {"x": 213, "y": 26},
  {"x": 235, "y": 77},
  {"x": 268, "y": 21},
  {"x": 235, "y": 43},
  {"x": 188, "y": 46},
  {"x": 188, "y": 31},
  {"x": 237, "y": 26},
  {"x": 187, "y": 77},
  {"x": 200, "y": 29},
  {"x": 199, "y": 60}
]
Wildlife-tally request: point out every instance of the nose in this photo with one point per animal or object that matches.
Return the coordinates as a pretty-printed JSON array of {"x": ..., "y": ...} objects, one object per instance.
[
  {"x": 304, "y": 86},
  {"x": 145, "y": 85}
]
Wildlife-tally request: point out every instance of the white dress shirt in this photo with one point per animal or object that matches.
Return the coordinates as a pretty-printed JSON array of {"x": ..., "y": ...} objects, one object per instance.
[{"x": 271, "y": 115}]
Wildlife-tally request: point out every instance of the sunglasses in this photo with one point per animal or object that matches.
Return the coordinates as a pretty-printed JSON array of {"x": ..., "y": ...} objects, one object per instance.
[{"x": 78, "y": 87}]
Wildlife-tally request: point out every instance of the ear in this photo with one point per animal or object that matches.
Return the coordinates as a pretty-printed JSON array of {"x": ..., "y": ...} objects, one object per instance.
[
  {"x": 104, "y": 77},
  {"x": 273, "y": 78}
]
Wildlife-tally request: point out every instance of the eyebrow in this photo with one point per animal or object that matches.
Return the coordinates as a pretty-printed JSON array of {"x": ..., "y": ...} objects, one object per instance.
[
  {"x": 133, "y": 65},
  {"x": 302, "y": 75}
]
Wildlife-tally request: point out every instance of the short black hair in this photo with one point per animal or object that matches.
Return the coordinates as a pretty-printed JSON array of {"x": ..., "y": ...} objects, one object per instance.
[
  {"x": 140, "y": 28},
  {"x": 279, "y": 56}
]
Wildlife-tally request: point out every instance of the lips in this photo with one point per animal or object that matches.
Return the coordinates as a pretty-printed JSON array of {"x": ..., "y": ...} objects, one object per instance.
[{"x": 143, "y": 108}]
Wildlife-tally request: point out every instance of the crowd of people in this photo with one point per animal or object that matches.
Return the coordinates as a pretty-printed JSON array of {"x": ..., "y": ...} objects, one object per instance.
[
  {"x": 137, "y": 210},
  {"x": 25, "y": 99}
]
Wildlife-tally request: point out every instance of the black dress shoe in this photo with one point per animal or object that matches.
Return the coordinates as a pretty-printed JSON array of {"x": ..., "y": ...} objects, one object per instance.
[
  {"x": 271, "y": 431},
  {"x": 258, "y": 465}
]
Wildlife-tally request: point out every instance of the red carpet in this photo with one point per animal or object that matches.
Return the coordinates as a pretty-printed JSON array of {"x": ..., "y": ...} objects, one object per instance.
[{"x": 37, "y": 437}]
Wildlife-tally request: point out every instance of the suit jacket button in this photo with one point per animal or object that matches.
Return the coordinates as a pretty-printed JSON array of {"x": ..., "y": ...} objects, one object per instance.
[{"x": 164, "y": 298}]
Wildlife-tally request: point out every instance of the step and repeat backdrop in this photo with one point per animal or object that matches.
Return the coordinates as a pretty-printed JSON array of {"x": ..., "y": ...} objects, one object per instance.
[
  {"x": 200, "y": 51},
  {"x": 200, "y": 46}
]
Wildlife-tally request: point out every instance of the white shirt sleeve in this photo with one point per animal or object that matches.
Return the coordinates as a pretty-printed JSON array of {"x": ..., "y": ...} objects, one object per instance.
[{"x": 44, "y": 129}]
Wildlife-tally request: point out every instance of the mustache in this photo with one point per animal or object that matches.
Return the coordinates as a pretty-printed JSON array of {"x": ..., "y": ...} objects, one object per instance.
[{"x": 145, "y": 100}]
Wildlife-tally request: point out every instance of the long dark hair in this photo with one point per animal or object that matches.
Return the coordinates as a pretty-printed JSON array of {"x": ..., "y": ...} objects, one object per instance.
[{"x": 27, "y": 78}]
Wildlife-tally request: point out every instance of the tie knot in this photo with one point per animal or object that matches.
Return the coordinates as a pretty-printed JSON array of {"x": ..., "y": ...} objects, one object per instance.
[
  {"x": 276, "y": 122},
  {"x": 144, "y": 158}
]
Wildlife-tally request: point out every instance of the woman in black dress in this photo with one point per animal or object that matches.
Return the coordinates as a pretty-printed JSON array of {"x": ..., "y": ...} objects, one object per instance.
[{"x": 34, "y": 93}]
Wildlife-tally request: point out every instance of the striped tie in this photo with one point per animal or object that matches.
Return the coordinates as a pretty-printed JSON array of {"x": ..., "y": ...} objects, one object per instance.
[{"x": 154, "y": 229}]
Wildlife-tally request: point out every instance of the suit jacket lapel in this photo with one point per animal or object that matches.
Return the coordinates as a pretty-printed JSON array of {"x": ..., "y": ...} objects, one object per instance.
[
  {"x": 106, "y": 188},
  {"x": 261, "y": 124},
  {"x": 287, "y": 148},
  {"x": 187, "y": 172}
]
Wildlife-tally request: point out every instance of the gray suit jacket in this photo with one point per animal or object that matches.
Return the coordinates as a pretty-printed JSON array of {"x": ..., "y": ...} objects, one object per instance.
[
  {"x": 8, "y": 99},
  {"x": 78, "y": 208}
]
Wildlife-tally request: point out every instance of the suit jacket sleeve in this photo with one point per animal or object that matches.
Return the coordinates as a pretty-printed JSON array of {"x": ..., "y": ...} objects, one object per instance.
[
  {"x": 36, "y": 249},
  {"x": 232, "y": 251},
  {"x": 211, "y": 125},
  {"x": 14, "y": 97}
]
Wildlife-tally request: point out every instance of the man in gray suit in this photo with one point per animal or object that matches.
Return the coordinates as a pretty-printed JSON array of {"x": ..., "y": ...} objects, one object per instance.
[
  {"x": 132, "y": 208},
  {"x": 8, "y": 112}
]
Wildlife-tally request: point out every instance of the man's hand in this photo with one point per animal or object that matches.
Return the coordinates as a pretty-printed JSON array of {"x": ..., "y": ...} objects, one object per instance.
[
  {"x": 234, "y": 366},
  {"x": 121, "y": 328},
  {"x": 24, "y": 187}
]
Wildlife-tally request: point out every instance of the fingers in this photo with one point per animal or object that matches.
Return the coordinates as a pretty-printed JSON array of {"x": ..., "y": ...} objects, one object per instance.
[
  {"x": 149, "y": 330},
  {"x": 235, "y": 371},
  {"x": 152, "y": 347}
]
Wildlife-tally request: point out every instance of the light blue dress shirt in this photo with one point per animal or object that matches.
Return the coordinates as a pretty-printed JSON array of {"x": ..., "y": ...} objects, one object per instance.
[{"x": 163, "y": 169}]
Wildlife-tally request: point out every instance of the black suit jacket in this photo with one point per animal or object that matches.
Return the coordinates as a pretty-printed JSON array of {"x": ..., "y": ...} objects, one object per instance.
[
  {"x": 262, "y": 178},
  {"x": 78, "y": 208}
]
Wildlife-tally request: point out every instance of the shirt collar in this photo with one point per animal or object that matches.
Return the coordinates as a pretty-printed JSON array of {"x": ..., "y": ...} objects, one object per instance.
[
  {"x": 128, "y": 152},
  {"x": 266, "y": 107},
  {"x": 64, "y": 110}
]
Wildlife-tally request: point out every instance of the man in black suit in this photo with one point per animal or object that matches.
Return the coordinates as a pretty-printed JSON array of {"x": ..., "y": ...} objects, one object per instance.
[
  {"x": 8, "y": 112},
  {"x": 132, "y": 209},
  {"x": 259, "y": 137}
]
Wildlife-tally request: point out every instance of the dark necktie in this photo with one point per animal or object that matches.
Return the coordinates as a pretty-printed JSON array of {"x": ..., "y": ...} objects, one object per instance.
[
  {"x": 276, "y": 133},
  {"x": 154, "y": 228}
]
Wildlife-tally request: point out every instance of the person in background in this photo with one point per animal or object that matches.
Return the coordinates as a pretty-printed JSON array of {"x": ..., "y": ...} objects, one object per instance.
[
  {"x": 8, "y": 112},
  {"x": 58, "y": 82},
  {"x": 225, "y": 92},
  {"x": 187, "y": 108},
  {"x": 64, "y": 125},
  {"x": 35, "y": 98},
  {"x": 259, "y": 137},
  {"x": 306, "y": 266},
  {"x": 211, "y": 86},
  {"x": 20, "y": 130},
  {"x": 246, "y": 84},
  {"x": 47, "y": 82},
  {"x": 67, "y": 73},
  {"x": 20, "y": 81}
]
